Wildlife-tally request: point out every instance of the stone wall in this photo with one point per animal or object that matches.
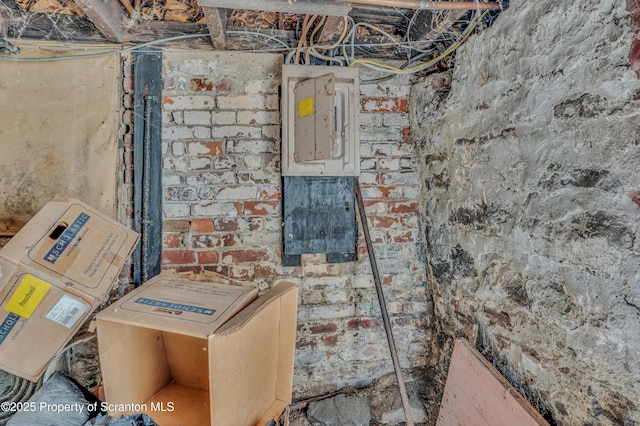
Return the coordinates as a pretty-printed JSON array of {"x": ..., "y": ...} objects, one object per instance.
[
  {"x": 531, "y": 208},
  {"x": 222, "y": 212}
]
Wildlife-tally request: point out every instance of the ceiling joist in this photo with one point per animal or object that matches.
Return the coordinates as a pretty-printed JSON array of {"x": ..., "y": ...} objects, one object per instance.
[
  {"x": 217, "y": 24},
  {"x": 308, "y": 7},
  {"x": 107, "y": 16}
]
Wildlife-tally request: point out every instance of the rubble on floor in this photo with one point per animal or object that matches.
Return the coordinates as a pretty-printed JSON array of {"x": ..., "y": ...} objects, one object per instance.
[{"x": 378, "y": 404}]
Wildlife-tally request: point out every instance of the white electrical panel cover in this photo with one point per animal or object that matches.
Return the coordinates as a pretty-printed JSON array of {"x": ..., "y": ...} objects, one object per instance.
[{"x": 320, "y": 130}]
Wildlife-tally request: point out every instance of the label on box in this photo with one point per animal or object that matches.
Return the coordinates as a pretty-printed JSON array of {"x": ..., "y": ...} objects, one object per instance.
[
  {"x": 67, "y": 237},
  {"x": 7, "y": 325},
  {"x": 174, "y": 308},
  {"x": 67, "y": 311},
  {"x": 27, "y": 296}
]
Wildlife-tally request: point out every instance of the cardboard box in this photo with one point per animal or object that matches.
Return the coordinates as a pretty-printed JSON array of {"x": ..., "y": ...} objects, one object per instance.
[
  {"x": 199, "y": 353},
  {"x": 54, "y": 273}
]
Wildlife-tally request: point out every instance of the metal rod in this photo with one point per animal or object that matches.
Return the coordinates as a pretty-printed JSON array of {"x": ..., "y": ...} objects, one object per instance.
[
  {"x": 383, "y": 307},
  {"x": 431, "y": 5}
]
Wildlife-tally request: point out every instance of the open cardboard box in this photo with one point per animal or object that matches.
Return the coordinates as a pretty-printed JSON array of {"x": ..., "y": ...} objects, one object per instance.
[
  {"x": 199, "y": 353},
  {"x": 54, "y": 273}
]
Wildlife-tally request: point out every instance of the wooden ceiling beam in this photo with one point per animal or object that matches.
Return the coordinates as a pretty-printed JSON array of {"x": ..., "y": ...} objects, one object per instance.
[
  {"x": 107, "y": 16},
  {"x": 310, "y": 7},
  {"x": 16, "y": 23},
  {"x": 217, "y": 24},
  {"x": 329, "y": 28}
]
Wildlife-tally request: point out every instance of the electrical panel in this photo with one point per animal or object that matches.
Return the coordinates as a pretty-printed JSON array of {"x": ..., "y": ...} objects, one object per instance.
[{"x": 320, "y": 130}]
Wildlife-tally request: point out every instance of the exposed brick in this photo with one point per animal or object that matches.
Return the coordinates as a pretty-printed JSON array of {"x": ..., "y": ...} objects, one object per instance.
[
  {"x": 384, "y": 105},
  {"x": 200, "y": 163},
  {"x": 368, "y": 163},
  {"x": 177, "y": 132},
  {"x": 178, "y": 193},
  {"x": 383, "y": 221},
  {"x": 329, "y": 340},
  {"x": 129, "y": 177},
  {"x": 403, "y": 207},
  {"x": 261, "y": 207},
  {"x": 389, "y": 163},
  {"x": 197, "y": 117},
  {"x": 175, "y": 226},
  {"x": 271, "y": 132},
  {"x": 215, "y": 240},
  {"x": 175, "y": 210},
  {"x": 258, "y": 117},
  {"x": 403, "y": 321},
  {"x": 185, "y": 268},
  {"x": 221, "y": 208},
  {"x": 358, "y": 323},
  {"x": 305, "y": 343},
  {"x": 248, "y": 132},
  {"x": 172, "y": 240},
  {"x": 266, "y": 271},
  {"x": 251, "y": 146},
  {"x": 375, "y": 206},
  {"x": 238, "y": 192},
  {"x": 176, "y": 257},
  {"x": 258, "y": 177},
  {"x": 225, "y": 224},
  {"x": 223, "y": 117},
  {"x": 200, "y": 85},
  {"x": 406, "y": 237},
  {"x": 242, "y": 271},
  {"x": 261, "y": 86},
  {"x": 177, "y": 148},
  {"x": 250, "y": 102},
  {"x": 207, "y": 257},
  {"x": 273, "y": 102},
  {"x": 407, "y": 135},
  {"x": 173, "y": 163},
  {"x": 201, "y": 225},
  {"x": 390, "y": 135},
  {"x": 219, "y": 269},
  {"x": 205, "y": 147},
  {"x": 240, "y": 256},
  {"x": 401, "y": 120},
  {"x": 399, "y": 178},
  {"x": 212, "y": 178},
  {"x": 323, "y": 328},
  {"x": 127, "y": 117},
  {"x": 269, "y": 192},
  {"x": 199, "y": 102},
  {"x": 172, "y": 179},
  {"x": 127, "y": 85}
]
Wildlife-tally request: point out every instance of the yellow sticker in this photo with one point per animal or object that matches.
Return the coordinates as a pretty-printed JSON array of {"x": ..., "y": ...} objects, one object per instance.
[
  {"x": 28, "y": 296},
  {"x": 306, "y": 107}
]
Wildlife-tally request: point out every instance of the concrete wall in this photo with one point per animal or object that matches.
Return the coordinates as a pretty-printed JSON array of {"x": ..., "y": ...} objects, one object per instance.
[
  {"x": 530, "y": 204},
  {"x": 222, "y": 212}
]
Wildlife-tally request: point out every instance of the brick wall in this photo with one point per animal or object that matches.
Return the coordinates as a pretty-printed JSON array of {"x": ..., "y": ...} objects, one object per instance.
[{"x": 222, "y": 212}]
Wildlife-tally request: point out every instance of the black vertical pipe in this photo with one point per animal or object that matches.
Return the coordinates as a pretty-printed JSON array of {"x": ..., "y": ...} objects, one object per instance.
[{"x": 147, "y": 152}]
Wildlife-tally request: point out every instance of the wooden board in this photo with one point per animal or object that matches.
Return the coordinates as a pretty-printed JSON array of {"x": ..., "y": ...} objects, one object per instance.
[{"x": 476, "y": 394}]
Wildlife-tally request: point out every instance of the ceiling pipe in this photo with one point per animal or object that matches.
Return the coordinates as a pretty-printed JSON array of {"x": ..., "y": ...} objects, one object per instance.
[{"x": 431, "y": 5}]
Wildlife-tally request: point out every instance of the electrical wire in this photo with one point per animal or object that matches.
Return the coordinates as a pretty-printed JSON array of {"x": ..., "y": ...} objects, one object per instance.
[
  {"x": 380, "y": 66},
  {"x": 141, "y": 46},
  {"x": 344, "y": 42}
]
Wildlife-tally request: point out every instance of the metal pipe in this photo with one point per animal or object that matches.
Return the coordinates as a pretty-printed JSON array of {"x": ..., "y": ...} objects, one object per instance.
[
  {"x": 431, "y": 5},
  {"x": 406, "y": 407}
]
